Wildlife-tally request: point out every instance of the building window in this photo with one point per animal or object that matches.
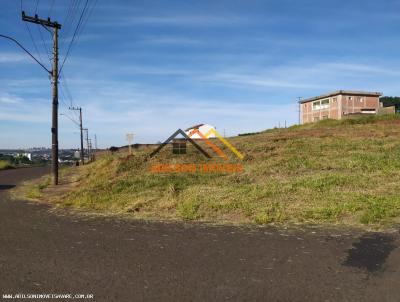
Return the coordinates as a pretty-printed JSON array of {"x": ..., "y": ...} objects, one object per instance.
[
  {"x": 318, "y": 105},
  {"x": 334, "y": 100},
  {"x": 179, "y": 146},
  {"x": 350, "y": 98},
  {"x": 316, "y": 118},
  {"x": 325, "y": 104},
  {"x": 324, "y": 117},
  {"x": 368, "y": 110}
]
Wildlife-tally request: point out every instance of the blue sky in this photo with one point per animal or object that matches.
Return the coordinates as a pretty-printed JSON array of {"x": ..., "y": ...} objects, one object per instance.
[{"x": 150, "y": 67}]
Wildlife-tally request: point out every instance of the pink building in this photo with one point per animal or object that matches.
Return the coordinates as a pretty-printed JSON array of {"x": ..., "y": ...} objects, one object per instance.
[{"x": 338, "y": 104}]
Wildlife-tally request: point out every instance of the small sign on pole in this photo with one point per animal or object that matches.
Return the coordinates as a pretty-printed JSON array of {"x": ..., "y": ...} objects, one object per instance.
[{"x": 129, "y": 138}]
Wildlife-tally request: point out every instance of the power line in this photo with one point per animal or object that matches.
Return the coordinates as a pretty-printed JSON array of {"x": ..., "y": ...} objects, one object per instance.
[
  {"x": 70, "y": 17},
  {"x": 37, "y": 5},
  {"x": 63, "y": 94},
  {"x": 70, "y": 118},
  {"x": 68, "y": 12},
  {"x": 31, "y": 36},
  {"x": 51, "y": 8},
  {"x": 44, "y": 44},
  {"x": 69, "y": 20},
  {"x": 73, "y": 37},
  {"x": 66, "y": 87},
  {"x": 63, "y": 97},
  {"x": 66, "y": 19},
  {"x": 88, "y": 15},
  {"x": 63, "y": 81},
  {"x": 67, "y": 95},
  {"x": 33, "y": 41}
]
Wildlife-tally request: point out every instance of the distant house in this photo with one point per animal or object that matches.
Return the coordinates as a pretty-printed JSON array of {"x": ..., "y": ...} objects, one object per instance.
[
  {"x": 339, "y": 104},
  {"x": 25, "y": 154},
  {"x": 203, "y": 128},
  {"x": 389, "y": 105}
]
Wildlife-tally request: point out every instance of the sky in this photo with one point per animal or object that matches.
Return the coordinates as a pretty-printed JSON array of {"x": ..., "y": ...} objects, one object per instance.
[{"x": 150, "y": 67}]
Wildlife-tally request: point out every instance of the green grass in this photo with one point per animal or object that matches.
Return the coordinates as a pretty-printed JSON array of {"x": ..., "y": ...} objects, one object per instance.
[
  {"x": 36, "y": 190},
  {"x": 329, "y": 172},
  {"x": 4, "y": 165}
]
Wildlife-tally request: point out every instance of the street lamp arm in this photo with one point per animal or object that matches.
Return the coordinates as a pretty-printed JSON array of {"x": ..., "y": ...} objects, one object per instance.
[{"x": 20, "y": 45}]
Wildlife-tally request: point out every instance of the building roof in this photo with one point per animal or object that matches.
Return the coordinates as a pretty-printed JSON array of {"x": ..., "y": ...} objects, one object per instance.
[
  {"x": 346, "y": 92},
  {"x": 194, "y": 127}
]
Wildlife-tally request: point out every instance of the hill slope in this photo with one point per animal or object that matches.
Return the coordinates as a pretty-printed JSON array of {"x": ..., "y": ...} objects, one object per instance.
[{"x": 334, "y": 171}]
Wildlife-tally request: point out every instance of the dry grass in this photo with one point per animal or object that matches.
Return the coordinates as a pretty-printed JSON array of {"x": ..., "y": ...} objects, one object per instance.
[{"x": 330, "y": 172}]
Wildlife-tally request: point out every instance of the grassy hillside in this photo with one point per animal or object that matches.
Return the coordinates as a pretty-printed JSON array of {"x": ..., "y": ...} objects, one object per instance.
[
  {"x": 334, "y": 171},
  {"x": 5, "y": 165}
]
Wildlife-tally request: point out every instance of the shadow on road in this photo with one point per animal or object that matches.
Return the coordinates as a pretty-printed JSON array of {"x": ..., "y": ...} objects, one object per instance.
[
  {"x": 6, "y": 187},
  {"x": 370, "y": 252}
]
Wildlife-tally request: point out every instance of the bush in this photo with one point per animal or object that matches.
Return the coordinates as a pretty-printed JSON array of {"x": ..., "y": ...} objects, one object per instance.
[{"x": 4, "y": 165}]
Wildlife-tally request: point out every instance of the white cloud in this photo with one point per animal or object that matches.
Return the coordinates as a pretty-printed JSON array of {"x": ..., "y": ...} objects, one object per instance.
[
  {"x": 15, "y": 108},
  {"x": 6, "y": 98},
  {"x": 171, "y": 40},
  {"x": 256, "y": 80},
  {"x": 173, "y": 20},
  {"x": 7, "y": 57}
]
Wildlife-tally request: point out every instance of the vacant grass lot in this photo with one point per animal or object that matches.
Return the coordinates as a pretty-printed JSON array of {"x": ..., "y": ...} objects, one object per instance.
[{"x": 331, "y": 172}]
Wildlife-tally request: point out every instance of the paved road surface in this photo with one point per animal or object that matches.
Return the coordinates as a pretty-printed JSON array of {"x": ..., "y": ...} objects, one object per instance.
[{"x": 46, "y": 252}]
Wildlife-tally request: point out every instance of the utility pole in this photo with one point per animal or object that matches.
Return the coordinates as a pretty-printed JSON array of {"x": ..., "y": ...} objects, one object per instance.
[
  {"x": 90, "y": 149},
  {"x": 95, "y": 142},
  {"x": 87, "y": 142},
  {"x": 81, "y": 128},
  {"x": 54, "y": 81},
  {"x": 299, "y": 98}
]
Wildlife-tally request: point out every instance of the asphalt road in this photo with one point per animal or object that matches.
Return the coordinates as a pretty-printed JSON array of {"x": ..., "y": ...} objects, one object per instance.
[{"x": 48, "y": 252}]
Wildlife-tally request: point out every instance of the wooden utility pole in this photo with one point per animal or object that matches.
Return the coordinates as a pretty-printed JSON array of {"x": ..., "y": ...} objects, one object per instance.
[
  {"x": 81, "y": 128},
  {"x": 90, "y": 149},
  {"x": 87, "y": 143},
  {"x": 54, "y": 81}
]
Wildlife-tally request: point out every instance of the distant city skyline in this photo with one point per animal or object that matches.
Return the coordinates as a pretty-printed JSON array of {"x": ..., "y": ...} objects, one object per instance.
[{"x": 150, "y": 67}]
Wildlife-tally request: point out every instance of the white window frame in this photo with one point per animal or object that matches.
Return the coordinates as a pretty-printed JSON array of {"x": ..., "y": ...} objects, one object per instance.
[
  {"x": 316, "y": 105},
  {"x": 321, "y": 104},
  {"x": 325, "y": 104}
]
